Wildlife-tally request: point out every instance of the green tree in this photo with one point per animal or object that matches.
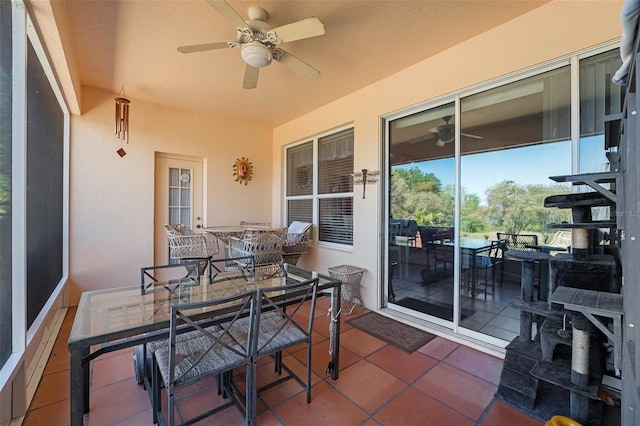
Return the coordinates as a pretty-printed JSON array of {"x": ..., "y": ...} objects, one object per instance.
[
  {"x": 419, "y": 196},
  {"x": 473, "y": 214},
  {"x": 516, "y": 208},
  {"x": 507, "y": 206},
  {"x": 417, "y": 180},
  {"x": 541, "y": 216}
]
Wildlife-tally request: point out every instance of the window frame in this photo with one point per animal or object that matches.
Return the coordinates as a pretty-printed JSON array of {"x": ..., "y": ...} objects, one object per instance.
[
  {"x": 14, "y": 374},
  {"x": 315, "y": 195}
]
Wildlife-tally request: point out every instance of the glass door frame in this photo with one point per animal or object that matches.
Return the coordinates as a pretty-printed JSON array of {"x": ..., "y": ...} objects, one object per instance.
[{"x": 385, "y": 121}]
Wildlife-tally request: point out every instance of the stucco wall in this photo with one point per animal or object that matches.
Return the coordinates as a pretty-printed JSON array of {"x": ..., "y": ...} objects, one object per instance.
[
  {"x": 112, "y": 198},
  {"x": 549, "y": 32}
]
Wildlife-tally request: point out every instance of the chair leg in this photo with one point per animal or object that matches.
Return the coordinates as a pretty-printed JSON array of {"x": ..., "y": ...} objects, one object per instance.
[
  {"x": 155, "y": 392},
  {"x": 309, "y": 371},
  {"x": 251, "y": 394}
]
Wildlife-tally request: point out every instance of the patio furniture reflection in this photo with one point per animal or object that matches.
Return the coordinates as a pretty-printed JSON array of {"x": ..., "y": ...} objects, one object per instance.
[
  {"x": 488, "y": 262},
  {"x": 469, "y": 250}
]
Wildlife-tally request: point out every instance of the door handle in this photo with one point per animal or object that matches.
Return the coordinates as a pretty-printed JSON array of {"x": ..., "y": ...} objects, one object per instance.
[{"x": 198, "y": 226}]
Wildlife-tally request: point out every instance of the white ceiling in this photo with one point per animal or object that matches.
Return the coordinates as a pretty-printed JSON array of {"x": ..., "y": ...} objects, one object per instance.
[{"x": 134, "y": 42}]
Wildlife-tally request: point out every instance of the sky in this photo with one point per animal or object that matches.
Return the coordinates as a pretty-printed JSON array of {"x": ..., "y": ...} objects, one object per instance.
[{"x": 525, "y": 166}]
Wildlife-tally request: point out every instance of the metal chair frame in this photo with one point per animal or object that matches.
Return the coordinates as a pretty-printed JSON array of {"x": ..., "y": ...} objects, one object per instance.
[{"x": 208, "y": 352}]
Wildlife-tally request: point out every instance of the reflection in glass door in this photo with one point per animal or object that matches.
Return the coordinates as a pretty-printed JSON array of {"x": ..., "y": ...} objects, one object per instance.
[
  {"x": 421, "y": 208},
  {"x": 521, "y": 136},
  {"x": 487, "y": 157}
]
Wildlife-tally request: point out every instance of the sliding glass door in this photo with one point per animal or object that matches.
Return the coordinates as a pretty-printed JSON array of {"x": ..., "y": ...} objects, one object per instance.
[
  {"x": 468, "y": 176},
  {"x": 513, "y": 138},
  {"x": 421, "y": 206}
]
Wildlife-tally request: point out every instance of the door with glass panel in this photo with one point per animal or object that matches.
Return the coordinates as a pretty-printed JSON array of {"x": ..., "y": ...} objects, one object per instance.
[
  {"x": 420, "y": 243},
  {"x": 178, "y": 199},
  {"x": 510, "y": 138}
]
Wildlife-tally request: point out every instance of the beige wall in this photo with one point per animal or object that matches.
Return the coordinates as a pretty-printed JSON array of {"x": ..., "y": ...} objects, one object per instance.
[
  {"x": 549, "y": 32},
  {"x": 111, "y": 198}
]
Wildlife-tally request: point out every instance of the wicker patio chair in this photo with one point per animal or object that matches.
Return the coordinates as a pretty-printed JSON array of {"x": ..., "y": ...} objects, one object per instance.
[
  {"x": 186, "y": 245},
  {"x": 296, "y": 241},
  {"x": 266, "y": 250}
]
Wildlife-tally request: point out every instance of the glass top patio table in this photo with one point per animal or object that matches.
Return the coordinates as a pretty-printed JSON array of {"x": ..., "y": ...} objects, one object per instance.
[
  {"x": 121, "y": 317},
  {"x": 227, "y": 231}
]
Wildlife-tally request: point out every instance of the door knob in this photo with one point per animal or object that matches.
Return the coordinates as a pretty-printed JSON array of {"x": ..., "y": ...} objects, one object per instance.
[{"x": 198, "y": 226}]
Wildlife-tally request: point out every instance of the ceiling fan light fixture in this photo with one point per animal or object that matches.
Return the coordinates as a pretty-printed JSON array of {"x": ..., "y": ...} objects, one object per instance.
[
  {"x": 256, "y": 54},
  {"x": 445, "y": 136}
]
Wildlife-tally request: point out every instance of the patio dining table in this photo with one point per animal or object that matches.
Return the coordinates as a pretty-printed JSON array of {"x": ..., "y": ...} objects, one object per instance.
[
  {"x": 224, "y": 233},
  {"x": 117, "y": 318}
]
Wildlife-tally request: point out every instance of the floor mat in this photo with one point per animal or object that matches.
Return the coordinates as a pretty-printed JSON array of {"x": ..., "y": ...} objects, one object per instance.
[
  {"x": 398, "y": 334},
  {"x": 440, "y": 310}
]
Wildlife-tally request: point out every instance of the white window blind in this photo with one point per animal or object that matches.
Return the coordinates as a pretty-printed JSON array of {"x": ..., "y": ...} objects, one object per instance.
[
  {"x": 321, "y": 191},
  {"x": 300, "y": 169}
]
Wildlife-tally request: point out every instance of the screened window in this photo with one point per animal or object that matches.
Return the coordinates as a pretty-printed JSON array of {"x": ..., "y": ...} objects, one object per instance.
[
  {"x": 319, "y": 187},
  {"x": 45, "y": 168},
  {"x": 5, "y": 182}
]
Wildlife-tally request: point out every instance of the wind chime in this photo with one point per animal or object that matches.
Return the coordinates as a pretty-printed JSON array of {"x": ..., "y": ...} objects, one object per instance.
[{"x": 122, "y": 120}]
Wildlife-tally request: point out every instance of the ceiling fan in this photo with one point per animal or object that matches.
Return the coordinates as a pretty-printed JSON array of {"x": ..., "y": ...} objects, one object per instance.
[
  {"x": 258, "y": 42},
  {"x": 446, "y": 132}
]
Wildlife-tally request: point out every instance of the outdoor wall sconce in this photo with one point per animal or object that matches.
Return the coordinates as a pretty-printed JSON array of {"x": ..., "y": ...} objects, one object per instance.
[
  {"x": 364, "y": 177},
  {"x": 122, "y": 119}
]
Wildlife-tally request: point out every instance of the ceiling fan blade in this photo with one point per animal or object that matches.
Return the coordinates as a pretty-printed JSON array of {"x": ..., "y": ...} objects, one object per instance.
[
  {"x": 471, "y": 136},
  {"x": 250, "y": 77},
  {"x": 298, "y": 66},
  {"x": 228, "y": 12},
  {"x": 203, "y": 47},
  {"x": 310, "y": 27}
]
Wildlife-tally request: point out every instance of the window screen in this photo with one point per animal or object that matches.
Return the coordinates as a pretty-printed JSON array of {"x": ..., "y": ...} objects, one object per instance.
[
  {"x": 45, "y": 168},
  {"x": 5, "y": 182}
]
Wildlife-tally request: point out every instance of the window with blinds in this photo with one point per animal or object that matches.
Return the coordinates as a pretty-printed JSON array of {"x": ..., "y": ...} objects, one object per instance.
[{"x": 319, "y": 186}]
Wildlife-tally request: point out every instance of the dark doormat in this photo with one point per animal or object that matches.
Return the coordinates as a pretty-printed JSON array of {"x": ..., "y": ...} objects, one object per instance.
[
  {"x": 391, "y": 331},
  {"x": 440, "y": 310}
]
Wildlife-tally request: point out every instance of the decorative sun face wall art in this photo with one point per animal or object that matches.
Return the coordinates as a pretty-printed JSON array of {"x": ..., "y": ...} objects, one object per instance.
[{"x": 242, "y": 170}]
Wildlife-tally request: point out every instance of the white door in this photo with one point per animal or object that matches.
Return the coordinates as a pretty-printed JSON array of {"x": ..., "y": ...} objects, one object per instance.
[{"x": 178, "y": 199}]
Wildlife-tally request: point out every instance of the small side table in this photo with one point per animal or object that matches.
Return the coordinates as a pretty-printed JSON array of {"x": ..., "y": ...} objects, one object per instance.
[
  {"x": 528, "y": 259},
  {"x": 350, "y": 276}
]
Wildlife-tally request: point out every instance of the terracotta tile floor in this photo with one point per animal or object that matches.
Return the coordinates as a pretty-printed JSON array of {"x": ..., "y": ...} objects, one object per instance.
[{"x": 442, "y": 383}]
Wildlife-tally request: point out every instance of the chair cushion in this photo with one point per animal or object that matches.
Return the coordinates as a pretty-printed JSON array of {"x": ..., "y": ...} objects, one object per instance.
[
  {"x": 188, "y": 352},
  {"x": 154, "y": 346},
  {"x": 272, "y": 339},
  {"x": 297, "y": 227}
]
